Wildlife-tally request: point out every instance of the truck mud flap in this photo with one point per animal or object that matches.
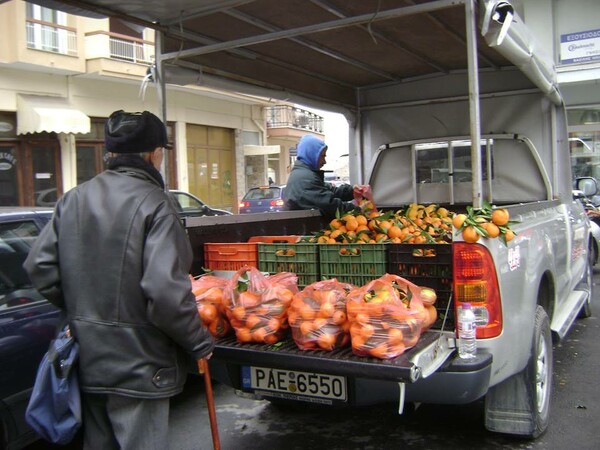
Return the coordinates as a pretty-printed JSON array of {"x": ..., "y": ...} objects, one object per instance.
[{"x": 430, "y": 352}]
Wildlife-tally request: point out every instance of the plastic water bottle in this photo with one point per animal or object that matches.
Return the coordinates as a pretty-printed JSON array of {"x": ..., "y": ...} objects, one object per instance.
[{"x": 467, "y": 344}]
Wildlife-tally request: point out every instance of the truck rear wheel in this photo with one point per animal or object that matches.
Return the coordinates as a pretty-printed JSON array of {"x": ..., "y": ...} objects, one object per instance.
[{"x": 520, "y": 405}]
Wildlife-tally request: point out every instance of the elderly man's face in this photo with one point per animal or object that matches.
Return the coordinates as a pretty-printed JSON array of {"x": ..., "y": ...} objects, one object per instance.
[{"x": 322, "y": 159}]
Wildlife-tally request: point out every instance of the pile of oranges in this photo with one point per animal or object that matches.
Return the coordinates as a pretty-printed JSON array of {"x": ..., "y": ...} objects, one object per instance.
[
  {"x": 257, "y": 307},
  {"x": 387, "y": 316},
  {"x": 318, "y": 316},
  {"x": 484, "y": 222},
  {"x": 417, "y": 224},
  {"x": 209, "y": 301}
]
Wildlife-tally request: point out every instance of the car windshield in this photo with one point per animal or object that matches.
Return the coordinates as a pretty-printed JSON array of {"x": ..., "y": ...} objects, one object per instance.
[{"x": 263, "y": 193}]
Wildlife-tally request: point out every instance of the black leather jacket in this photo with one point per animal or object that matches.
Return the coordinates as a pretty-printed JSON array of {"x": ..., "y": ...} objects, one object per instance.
[{"x": 116, "y": 257}]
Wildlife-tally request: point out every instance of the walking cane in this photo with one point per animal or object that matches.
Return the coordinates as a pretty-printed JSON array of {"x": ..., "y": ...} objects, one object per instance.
[{"x": 203, "y": 369}]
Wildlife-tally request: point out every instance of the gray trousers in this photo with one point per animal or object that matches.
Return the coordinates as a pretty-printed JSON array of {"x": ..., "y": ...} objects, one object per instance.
[{"x": 123, "y": 423}]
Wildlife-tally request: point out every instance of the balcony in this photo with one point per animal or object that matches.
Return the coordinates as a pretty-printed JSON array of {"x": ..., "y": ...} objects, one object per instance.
[
  {"x": 116, "y": 54},
  {"x": 51, "y": 37},
  {"x": 285, "y": 116}
]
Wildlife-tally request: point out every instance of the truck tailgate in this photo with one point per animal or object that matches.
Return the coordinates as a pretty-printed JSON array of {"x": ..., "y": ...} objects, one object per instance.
[{"x": 430, "y": 352}]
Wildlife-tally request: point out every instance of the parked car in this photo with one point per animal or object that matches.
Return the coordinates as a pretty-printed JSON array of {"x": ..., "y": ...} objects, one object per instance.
[
  {"x": 28, "y": 322},
  {"x": 189, "y": 205},
  {"x": 263, "y": 199}
]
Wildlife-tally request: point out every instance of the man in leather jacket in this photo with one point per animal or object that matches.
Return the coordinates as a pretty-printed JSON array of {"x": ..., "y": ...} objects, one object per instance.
[
  {"x": 306, "y": 187},
  {"x": 115, "y": 258}
]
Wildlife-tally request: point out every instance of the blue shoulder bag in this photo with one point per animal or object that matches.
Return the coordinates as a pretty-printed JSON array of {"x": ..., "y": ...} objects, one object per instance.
[{"x": 54, "y": 409}]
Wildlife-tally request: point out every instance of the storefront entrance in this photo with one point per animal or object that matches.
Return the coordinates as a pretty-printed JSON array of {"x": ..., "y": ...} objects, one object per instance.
[{"x": 30, "y": 172}]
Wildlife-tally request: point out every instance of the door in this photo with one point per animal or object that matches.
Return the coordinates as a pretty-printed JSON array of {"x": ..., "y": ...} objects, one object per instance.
[
  {"x": 44, "y": 182},
  {"x": 9, "y": 175},
  {"x": 211, "y": 165}
]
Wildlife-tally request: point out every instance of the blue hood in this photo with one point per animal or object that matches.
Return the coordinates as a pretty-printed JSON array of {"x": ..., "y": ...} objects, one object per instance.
[{"x": 309, "y": 150}]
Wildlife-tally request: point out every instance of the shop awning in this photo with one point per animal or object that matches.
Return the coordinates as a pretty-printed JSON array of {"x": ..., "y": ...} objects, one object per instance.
[{"x": 37, "y": 113}]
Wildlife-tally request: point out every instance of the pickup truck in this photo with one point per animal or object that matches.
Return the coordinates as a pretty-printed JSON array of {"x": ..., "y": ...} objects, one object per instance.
[
  {"x": 427, "y": 141},
  {"x": 449, "y": 102}
]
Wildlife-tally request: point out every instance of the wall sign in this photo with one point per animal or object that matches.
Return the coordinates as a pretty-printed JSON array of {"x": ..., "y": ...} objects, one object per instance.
[
  {"x": 580, "y": 47},
  {"x": 7, "y": 161}
]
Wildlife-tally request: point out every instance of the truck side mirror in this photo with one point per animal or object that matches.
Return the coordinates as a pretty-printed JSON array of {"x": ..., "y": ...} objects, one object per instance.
[{"x": 587, "y": 185}]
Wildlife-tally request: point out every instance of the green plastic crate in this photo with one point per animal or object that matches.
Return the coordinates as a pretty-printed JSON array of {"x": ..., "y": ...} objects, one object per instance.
[
  {"x": 353, "y": 263},
  {"x": 299, "y": 258}
]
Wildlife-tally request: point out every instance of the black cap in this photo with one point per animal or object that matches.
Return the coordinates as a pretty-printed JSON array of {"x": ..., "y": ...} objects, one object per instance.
[{"x": 134, "y": 132}]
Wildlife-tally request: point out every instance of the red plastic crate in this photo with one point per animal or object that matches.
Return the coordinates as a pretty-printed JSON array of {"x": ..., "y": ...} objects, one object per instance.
[{"x": 230, "y": 256}]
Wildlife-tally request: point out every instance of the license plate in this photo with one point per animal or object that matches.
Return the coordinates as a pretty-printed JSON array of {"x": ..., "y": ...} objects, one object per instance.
[{"x": 293, "y": 384}]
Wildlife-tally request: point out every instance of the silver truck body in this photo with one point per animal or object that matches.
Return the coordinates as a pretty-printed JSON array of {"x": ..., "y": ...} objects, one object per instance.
[{"x": 409, "y": 77}]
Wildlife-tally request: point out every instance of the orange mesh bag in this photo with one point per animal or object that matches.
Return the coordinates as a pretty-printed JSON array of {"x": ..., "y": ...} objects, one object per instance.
[
  {"x": 386, "y": 317},
  {"x": 208, "y": 290},
  {"x": 257, "y": 305},
  {"x": 318, "y": 316}
]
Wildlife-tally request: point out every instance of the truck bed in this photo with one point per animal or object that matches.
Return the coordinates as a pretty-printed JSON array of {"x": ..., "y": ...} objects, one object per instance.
[{"x": 431, "y": 352}]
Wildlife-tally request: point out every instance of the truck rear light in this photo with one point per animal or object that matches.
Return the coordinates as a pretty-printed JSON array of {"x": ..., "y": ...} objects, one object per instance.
[
  {"x": 276, "y": 202},
  {"x": 475, "y": 282}
]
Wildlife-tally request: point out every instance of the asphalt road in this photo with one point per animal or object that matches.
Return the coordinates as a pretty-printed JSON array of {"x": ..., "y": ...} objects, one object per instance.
[{"x": 250, "y": 424}]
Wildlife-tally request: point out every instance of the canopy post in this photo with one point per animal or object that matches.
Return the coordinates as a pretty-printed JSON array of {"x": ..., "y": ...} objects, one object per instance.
[
  {"x": 162, "y": 102},
  {"x": 475, "y": 124}
]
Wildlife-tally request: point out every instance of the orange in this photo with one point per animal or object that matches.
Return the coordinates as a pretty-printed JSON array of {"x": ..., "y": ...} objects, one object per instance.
[
  {"x": 252, "y": 321},
  {"x": 339, "y": 317},
  {"x": 214, "y": 295},
  {"x": 327, "y": 309},
  {"x": 208, "y": 312},
  {"x": 319, "y": 323},
  {"x": 306, "y": 327},
  {"x": 259, "y": 334},
  {"x": 307, "y": 313},
  {"x": 243, "y": 335},
  {"x": 351, "y": 224},
  {"x": 395, "y": 336},
  {"x": 362, "y": 220},
  {"x": 394, "y": 232},
  {"x": 271, "y": 338},
  {"x": 248, "y": 299},
  {"x": 274, "y": 324},
  {"x": 385, "y": 225},
  {"x": 335, "y": 224},
  {"x": 326, "y": 341},
  {"x": 492, "y": 229},
  {"x": 381, "y": 351},
  {"x": 459, "y": 220},
  {"x": 470, "y": 235},
  {"x": 500, "y": 217},
  {"x": 509, "y": 235}
]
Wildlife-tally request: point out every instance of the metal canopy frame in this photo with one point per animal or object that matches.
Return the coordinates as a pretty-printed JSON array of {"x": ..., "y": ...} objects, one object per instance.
[{"x": 328, "y": 53}]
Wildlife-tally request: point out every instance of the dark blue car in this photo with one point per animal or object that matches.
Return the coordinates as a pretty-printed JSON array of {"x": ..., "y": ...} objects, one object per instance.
[
  {"x": 262, "y": 199},
  {"x": 27, "y": 322}
]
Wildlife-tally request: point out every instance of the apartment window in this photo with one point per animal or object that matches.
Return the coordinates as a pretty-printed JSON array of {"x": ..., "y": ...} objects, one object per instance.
[{"x": 47, "y": 30}]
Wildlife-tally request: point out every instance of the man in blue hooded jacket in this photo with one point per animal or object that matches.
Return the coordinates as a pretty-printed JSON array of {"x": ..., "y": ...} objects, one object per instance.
[{"x": 306, "y": 187}]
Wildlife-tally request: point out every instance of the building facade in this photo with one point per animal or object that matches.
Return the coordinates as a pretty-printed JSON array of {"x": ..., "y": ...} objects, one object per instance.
[{"x": 62, "y": 75}]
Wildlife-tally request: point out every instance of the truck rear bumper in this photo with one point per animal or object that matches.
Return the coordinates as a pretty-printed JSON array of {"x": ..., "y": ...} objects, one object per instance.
[{"x": 370, "y": 380}]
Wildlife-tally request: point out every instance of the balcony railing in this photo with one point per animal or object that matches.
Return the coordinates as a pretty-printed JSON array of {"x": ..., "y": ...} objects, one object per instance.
[
  {"x": 285, "y": 116},
  {"x": 51, "y": 37},
  {"x": 135, "y": 52},
  {"x": 119, "y": 47}
]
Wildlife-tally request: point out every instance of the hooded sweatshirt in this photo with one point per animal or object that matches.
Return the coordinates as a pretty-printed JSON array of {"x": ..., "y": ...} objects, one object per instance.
[
  {"x": 306, "y": 187},
  {"x": 309, "y": 151}
]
